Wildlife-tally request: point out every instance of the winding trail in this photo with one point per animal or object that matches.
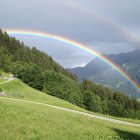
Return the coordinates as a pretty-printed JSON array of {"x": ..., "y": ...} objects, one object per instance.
[
  {"x": 10, "y": 79},
  {"x": 74, "y": 111}
]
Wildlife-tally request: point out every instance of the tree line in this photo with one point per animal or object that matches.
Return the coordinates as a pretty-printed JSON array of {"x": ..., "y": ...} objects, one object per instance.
[{"x": 12, "y": 50}]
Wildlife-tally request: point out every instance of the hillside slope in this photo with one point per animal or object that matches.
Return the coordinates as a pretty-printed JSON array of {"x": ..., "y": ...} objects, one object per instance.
[
  {"x": 17, "y": 89},
  {"x": 23, "y": 120}
]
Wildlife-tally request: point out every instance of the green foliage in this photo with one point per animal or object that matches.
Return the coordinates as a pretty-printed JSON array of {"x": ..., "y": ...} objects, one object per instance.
[
  {"x": 30, "y": 74},
  {"x": 92, "y": 102},
  {"x": 100, "y": 99},
  {"x": 13, "y": 51},
  {"x": 62, "y": 87},
  {"x": 5, "y": 60}
]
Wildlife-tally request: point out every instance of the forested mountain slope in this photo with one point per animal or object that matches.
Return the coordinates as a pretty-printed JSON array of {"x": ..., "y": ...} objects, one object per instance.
[{"x": 14, "y": 53}]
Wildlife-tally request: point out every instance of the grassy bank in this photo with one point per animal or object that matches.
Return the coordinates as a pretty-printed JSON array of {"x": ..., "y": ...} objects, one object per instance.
[
  {"x": 17, "y": 89},
  {"x": 19, "y": 120}
]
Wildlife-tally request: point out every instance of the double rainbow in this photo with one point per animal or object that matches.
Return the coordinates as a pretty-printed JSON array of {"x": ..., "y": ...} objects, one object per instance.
[
  {"x": 73, "y": 43},
  {"x": 103, "y": 18}
]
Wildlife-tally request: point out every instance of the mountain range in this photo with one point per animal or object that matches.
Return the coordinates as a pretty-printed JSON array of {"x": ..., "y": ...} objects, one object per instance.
[{"x": 102, "y": 73}]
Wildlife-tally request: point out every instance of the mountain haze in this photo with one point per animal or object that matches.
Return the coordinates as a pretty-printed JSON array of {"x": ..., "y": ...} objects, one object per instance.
[{"x": 102, "y": 73}]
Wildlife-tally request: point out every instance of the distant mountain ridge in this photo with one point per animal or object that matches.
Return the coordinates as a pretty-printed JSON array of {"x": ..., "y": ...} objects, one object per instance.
[
  {"x": 122, "y": 58},
  {"x": 100, "y": 72}
]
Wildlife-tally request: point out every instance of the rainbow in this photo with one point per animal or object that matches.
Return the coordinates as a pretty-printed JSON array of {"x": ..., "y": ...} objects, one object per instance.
[{"x": 77, "y": 45}]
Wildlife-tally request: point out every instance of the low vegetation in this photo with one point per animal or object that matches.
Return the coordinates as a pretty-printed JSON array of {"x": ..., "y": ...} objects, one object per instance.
[
  {"x": 21, "y": 120},
  {"x": 17, "y": 89},
  {"x": 2, "y": 80}
]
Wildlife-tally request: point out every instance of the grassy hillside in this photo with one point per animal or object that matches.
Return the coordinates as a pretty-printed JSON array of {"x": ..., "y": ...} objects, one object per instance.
[
  {"x": 17, "y": 89},
  {"x": 7, "y": 75},
  {"x": 19, "y": 120},
  {"x": 2, "y": 80},
  {"x": 24, "y": 120},
  {"x": 4, "y": 75}
]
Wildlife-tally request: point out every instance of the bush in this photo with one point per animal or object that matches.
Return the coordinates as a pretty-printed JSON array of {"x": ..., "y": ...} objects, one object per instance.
[{"x": 0, "y": 90}]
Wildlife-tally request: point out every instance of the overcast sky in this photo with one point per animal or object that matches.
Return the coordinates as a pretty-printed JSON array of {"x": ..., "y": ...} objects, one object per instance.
[{"x": 108, "y": 26}]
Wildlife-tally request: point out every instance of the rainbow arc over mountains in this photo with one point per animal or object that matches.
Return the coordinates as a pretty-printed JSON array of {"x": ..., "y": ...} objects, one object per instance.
[{"x": 75, "y": 44}]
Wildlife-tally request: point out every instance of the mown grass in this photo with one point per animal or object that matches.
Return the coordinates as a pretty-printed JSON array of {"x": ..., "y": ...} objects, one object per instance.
[
  {"x": 2, "y": 80},
  {"x": 21, "y": 120},
  {"x": 17, "y": 89},
  {"x": 5, "y": 74}
]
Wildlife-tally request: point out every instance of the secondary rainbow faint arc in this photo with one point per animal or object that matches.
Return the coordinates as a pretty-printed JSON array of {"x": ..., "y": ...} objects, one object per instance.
[
  {"x": 77, "y": 45},
  {"x": 129, "y": 35}
]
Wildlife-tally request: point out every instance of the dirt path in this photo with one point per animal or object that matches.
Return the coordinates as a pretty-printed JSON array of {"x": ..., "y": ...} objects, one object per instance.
[
  {"x": 74, "y": 111},
  {"x": 10, "y": 79}
]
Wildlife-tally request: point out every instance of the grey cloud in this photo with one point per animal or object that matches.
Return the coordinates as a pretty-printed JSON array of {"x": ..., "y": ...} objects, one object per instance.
[
  {"x": 58, "y": 19},
  {"x": 65, "y": 19},
  {"x": 111, "y": 47},
  {"x": 67, "y": 55}
]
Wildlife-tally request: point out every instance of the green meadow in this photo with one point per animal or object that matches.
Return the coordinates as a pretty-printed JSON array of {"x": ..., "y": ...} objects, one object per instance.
[
  {"x": 5, "y": 75},
  {"x": 2, "y": 80},
  {"x": 24, "y": 120},
  {"x": 17, "y": 89},
  {"x": 21, "y": 120}
]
